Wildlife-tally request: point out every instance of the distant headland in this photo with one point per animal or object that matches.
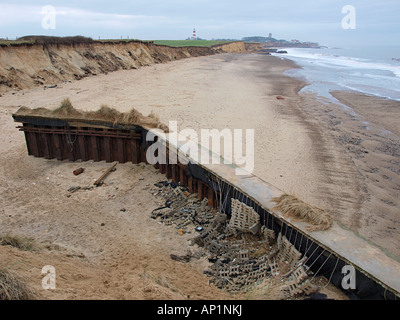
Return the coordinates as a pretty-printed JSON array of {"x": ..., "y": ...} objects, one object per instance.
[{"x": 270, "y": 42}]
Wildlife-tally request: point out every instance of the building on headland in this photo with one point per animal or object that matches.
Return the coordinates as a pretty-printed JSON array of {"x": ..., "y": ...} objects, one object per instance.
[{"x": 269, "y": 42}]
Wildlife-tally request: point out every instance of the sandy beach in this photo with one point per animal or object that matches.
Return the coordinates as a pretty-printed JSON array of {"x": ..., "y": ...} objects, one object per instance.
[{"x": 343, "y": 159}]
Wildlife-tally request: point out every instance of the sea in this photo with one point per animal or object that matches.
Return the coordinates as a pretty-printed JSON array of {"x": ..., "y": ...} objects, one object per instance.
[{"x": 373, "y": 70}]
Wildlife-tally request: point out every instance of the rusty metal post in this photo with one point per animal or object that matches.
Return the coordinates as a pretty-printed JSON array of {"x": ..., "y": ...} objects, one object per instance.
[
  {"x": 210, "y": 197},
  {"x": 173, "y": 172},
  {"x": 190, "y": 184},
  {"x": 200, "y": 189}
]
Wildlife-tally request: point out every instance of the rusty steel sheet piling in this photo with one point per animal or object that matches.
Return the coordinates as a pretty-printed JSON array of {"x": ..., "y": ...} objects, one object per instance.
[{"x": 63, "y": 140}]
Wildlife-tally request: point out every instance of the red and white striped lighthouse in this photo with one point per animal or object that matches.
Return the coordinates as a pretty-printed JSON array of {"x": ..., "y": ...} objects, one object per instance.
[{"x": 194, "y": 33}]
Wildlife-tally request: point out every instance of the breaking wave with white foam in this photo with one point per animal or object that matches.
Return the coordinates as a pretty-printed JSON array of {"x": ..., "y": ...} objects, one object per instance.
[{"x": 367, "y": 70}]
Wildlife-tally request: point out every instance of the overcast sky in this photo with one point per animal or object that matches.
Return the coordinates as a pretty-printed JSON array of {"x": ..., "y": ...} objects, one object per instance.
[{"x": 377, "y": 22}]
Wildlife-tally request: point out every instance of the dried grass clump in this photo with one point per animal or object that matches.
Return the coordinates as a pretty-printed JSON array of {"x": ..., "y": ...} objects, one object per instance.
[
  {"x": 269, "y": 289},
  {"x": 22, "y": 243},
  {"x": 105, "y": 114},
  {"x": 154, "y": 120},
  {"x": 292, "y": 206},
  {"x": 66, "y": 109},
  {"x": 13, "y": 287},
  {"x": 132, "y": 116},
  {"x": 35, "y": 112}
]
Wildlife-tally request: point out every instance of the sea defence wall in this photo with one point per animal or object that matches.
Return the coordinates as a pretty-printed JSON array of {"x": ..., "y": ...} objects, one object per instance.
[
  {"x": 377, "y": 275},
  {"x": 27, "y": 65}
]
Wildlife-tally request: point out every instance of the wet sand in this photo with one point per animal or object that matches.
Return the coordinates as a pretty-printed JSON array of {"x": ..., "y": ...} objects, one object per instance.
[
  {"x": 362, "y": 162},
  {"x": 381, "y": 112}
]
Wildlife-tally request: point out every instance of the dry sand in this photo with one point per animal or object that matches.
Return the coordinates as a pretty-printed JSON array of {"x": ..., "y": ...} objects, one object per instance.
[
  {"x": 303, "y": 146},
  {"x": 102, "y": 242}
]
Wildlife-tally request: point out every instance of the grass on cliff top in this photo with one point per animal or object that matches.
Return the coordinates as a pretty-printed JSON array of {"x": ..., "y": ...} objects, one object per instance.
[
  {"x": 80, "y": 39},
  {"x": 189, "y": 43},
  {"x": 4, "y": 42}
]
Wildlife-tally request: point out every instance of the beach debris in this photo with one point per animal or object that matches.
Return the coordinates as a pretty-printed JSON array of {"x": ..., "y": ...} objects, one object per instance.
[
  {"x": 344, "y": 138},
  {"x": 74, "y": 189},
  {"x": 50, "y": 86},
  {"x": 298, "y": 283},
  {"x": 240, "y": 258},
  {"x": 77, "y": 188},
  {"x": 290, "y": 205},
  {"x": 185, "y": 258},
  {"x": 78, "y": 171},
  {"x": 244, "y": 218},
  {"x": 162, "y": 184},
  {"x": 99, "y": 181},
  {"x": 280, "y": 98}
]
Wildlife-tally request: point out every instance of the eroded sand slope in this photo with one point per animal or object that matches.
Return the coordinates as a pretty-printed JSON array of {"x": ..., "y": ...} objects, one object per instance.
[{"x": 26, "y": 66}]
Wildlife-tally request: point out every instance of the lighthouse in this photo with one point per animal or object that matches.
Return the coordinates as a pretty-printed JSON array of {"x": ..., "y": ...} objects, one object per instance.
[{"x": 194, "y": 34}]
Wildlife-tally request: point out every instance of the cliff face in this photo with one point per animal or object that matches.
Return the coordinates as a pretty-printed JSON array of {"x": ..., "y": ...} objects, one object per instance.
[
  {"x": 254, "y": 47},
  {"x": 27, "y": 66},
  {"x": 234, "y": 47}
]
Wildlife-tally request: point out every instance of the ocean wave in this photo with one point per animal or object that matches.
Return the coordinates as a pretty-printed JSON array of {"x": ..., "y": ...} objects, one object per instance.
[
  {"x": 389, "y": 94},
  {"x": 325, "y": 71},
  {"x": 333, "y": 60}
]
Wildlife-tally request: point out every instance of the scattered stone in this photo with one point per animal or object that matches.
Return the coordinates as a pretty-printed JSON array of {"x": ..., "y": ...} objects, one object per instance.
[
  {"x": 242, "y": 252},
  {"x": 77, "y": 188},
  {"x": 186, "y": 258},
  {"x": 74, "y": 189}
]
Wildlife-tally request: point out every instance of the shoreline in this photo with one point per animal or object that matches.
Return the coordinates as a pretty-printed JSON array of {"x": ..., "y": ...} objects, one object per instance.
[{"x": 383, "y": 112}]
